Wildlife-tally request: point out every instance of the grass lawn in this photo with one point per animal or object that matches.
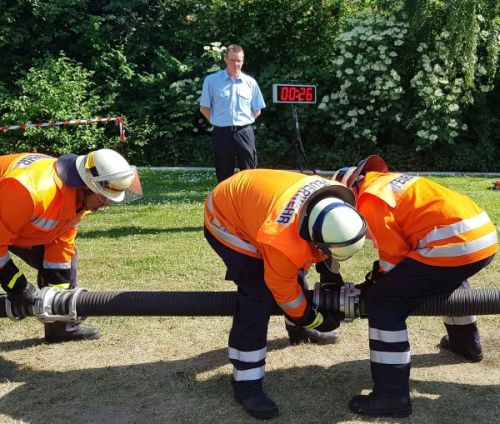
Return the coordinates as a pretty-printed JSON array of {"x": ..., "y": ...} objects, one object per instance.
[{"x": 175, "y": 369}]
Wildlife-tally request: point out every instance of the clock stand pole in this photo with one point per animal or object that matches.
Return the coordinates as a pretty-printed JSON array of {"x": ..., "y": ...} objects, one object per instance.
[{"x": 296, "y": 145}]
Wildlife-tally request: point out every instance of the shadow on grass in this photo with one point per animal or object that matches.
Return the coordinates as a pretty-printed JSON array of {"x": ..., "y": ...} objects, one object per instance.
[
  {"x": 187, "y": 391},
  {"x": 116, "y": 232}
]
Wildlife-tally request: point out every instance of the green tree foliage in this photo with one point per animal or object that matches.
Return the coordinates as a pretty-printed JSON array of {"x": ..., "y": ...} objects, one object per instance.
[
  {"x": 54, "y": 89},
  {"x": 471, "y": 27},
  {"x": 146, "y": 60}
]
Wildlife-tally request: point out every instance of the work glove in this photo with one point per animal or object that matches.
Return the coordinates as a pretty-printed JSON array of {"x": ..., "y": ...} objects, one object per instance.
[
  {"x": 329, "y": 323},
  {"x": 301, "y": 279},
  {"x": 370, "y": 278},
  {"x": 19, "y": 291},
  {"x": 314, "y": 327},
  {"x": 326, "y": 332},
  {"x": 24, "y": 297},
  {"x": 374, "y": 275},
  {"x": 329, "y": 274}
]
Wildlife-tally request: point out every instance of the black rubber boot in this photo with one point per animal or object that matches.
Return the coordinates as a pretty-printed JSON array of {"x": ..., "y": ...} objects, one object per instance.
[
  {"x": 254, "y": 401},
  {"x": 380, "y": 406},
  {"x": 57, "y": 332},
  {"x": 471, "y": 353}
]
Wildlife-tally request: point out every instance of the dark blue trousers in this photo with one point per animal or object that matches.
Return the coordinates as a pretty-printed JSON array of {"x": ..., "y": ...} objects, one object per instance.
[
  {"x": 228, "y": 145},
  {"x": 391, "y": 300},
  {"x": 254, "y": 303},
  {"x": 33, "y": 256}
]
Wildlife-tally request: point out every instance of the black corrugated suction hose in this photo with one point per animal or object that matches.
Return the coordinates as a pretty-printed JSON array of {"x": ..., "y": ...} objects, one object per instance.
[{"x": 461, "y": 302}]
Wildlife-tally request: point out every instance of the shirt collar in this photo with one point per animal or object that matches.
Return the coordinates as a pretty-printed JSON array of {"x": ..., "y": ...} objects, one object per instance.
[{"x": 236, "y": 79}]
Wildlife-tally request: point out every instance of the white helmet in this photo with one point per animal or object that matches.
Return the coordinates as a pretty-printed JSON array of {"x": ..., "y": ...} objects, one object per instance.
[
  {"x": 336, "y": 228},
  {"x": 109, "y": 175}
]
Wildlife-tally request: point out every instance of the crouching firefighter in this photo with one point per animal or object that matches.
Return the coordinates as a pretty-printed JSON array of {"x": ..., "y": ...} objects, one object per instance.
[
  {"x": 430, "y": 239},
  {"x": 269, "y": 227},
  {"x": 42, "y": 199}
]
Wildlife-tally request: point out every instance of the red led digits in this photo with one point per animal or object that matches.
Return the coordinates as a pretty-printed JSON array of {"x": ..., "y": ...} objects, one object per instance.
[
  {"x": 294, "y": 93},
  {"x": 284, "y": 93},
  {"x": 309, "y": 94}
]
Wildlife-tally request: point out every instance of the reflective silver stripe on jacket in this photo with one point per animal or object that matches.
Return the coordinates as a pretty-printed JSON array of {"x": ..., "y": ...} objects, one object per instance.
[
  {"x": 294, "y": 303},
  {"x": 460, "y": 249},
  {"x": 471, "y": 319},
  {"x": 391, "y": 358},
  {"x": 225, "y": 235},
  {"x": 388, "y": 336},
  {"x": 454, "y": 229},
  {"x": 251, "y": 356},
  {"x": 386, "y": 266},
  {"x": 251, "y": 374},
  {"x": 56, "y": 265},
  {"x": 4, "y": 259},
  {"x": 44, "y": 223}
]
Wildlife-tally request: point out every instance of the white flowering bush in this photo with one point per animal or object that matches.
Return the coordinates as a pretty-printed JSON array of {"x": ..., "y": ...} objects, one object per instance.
[
  {"x": 214, "y": 53},
  {"x": 369, "y": 85},
  {"x": 442, "y": 92},
  {"x": 388, "y": 88},
  {"x": 440, "y": 96}
]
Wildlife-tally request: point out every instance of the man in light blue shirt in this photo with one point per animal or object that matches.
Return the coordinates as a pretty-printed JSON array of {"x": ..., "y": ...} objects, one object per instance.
[{"x": 231, "y": 101}]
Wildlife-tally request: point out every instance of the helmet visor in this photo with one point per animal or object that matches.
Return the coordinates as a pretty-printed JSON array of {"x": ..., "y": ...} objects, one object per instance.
[{"x": 118, "y": 188}]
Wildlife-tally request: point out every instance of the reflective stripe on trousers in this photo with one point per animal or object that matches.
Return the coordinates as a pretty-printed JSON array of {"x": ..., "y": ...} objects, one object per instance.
[
  {"x": 34, "y": 257},
  {"x": 463, "y": 331},
  {"x": 390, "y": 301},
  {"x": 248, "y": 365},
  {"x": 254, "y": 302}
]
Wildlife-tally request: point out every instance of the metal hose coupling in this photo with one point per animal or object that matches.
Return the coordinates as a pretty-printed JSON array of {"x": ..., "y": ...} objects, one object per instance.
[
  {"x": 342, "y": 298},
  {"x": 51, "y": 302}
]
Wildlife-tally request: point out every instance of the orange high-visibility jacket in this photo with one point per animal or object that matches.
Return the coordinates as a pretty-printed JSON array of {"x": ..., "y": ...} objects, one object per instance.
[
  {"x": 256, "y": 213},
  {"x": 36, "y": 208},
  {"x": 411, "y": 216}
]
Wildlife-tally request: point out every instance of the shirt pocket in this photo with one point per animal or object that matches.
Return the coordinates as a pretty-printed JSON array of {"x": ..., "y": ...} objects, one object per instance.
[
  {"x": 244, "y": 97},
  {"x": 223, "y": 99}
]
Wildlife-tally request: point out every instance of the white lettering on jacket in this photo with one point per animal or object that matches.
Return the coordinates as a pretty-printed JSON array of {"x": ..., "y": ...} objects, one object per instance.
[{"x": 298, "y": 200}]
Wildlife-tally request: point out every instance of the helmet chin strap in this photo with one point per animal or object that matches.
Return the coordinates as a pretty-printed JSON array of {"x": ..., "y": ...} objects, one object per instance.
[{"x": 330, "y": 262}]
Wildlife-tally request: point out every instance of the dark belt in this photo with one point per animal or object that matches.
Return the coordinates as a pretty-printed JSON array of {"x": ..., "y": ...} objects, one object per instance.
[{"x": 233, "y": 128}]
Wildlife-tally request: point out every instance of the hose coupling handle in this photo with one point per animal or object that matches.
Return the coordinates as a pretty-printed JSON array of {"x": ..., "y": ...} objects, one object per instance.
[{"x": 47, "y": 301}]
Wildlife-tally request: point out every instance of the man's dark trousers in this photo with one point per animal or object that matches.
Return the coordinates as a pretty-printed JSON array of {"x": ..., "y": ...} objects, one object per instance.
[{"x": 231, "y": 142}]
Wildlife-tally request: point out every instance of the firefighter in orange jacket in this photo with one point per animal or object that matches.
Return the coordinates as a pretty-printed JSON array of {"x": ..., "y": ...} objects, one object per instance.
[
  {"x": 41, "y": 201},
  {"x": 269, "y": 227},
  {"x": 430, "y": 239}
]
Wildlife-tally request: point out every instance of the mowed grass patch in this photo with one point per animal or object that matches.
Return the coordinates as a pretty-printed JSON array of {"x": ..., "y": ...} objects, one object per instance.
[{"x": 175, "y": 369}]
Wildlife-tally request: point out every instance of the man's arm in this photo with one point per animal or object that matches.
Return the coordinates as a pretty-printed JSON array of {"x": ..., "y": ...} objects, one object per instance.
[
  {"x": 205, "y": 99},
  {"x": 205, "y": 111},
  {"x": 257, "y": 102}
]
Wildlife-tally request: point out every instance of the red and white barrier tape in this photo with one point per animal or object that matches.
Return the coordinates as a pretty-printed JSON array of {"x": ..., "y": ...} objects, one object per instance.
[{"x": 118, "y": 119}]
